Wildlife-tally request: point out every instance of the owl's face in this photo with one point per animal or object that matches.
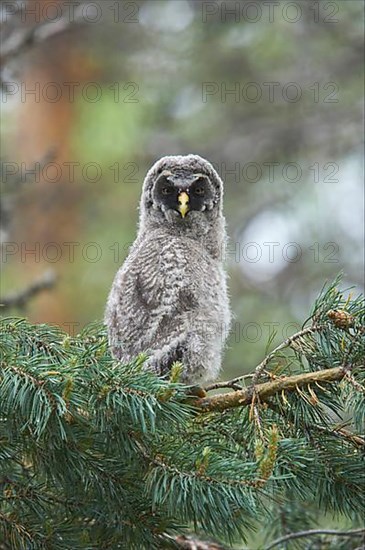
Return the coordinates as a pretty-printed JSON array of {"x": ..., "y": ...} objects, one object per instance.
[
  {"x": 185, "y": 191},
  {"x": 182, "y": 193}
]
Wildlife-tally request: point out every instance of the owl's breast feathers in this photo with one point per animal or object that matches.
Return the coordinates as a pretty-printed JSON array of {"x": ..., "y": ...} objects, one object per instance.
[{"x": 172, "y": 274}]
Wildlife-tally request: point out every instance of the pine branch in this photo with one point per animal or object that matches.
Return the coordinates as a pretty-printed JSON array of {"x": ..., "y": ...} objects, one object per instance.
[
  {"x": 337, "y": 323},
  {"x": 263, "y": 391},
  {"x": 234, "y": 384}
]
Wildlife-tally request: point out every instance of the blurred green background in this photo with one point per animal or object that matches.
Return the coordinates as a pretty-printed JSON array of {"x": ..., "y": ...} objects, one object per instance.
[{"x": 269, "y": 92}]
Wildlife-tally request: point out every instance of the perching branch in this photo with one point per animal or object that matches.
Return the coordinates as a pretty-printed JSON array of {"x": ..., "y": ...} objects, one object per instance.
[{"x": 267, "y": 389}]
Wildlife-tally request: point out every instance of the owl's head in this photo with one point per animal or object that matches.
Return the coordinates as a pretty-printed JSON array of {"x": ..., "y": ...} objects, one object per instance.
[{"x": 182, "y": 190}]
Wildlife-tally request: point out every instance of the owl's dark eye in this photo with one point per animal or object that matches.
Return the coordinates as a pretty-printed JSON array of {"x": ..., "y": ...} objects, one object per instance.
[
  {"x": 166, "y": 190},
  {"x": 199, "y": 191}
]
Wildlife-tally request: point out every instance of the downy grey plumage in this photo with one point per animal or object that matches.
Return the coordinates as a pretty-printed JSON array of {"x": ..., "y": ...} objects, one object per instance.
[{"x": 169, "y": 298}]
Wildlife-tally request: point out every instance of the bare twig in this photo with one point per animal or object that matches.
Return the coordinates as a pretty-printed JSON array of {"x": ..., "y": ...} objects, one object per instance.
[
  {"x": 228, "y": 383},
  {"x": 20, "y": 298},
  {"x": 313, "y": 532}
]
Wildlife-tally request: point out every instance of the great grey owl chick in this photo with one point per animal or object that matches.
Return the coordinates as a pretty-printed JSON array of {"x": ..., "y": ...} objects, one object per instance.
[{"x": 169, "y": 298}]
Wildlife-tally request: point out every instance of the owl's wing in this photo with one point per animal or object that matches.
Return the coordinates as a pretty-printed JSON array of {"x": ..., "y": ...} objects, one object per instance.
[{"x": 136, "y": 288}]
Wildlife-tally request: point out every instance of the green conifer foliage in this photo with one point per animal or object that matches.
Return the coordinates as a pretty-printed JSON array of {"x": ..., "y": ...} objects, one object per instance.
[{"x": 99, "y": 455}]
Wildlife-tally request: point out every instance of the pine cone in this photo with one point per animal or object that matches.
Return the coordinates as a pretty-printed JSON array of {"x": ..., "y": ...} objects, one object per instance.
[{"x": 340, "y": 318}]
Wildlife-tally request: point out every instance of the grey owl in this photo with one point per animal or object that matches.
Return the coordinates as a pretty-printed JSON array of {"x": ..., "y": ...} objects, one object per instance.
[{"x": 169, "y": 298}]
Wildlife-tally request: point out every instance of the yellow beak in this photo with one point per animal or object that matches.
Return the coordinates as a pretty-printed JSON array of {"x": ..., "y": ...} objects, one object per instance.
[{"x": 183, "y": 200}]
